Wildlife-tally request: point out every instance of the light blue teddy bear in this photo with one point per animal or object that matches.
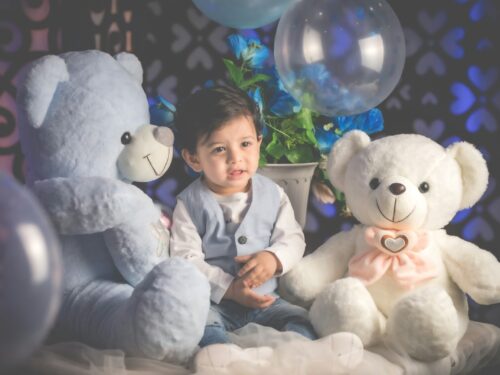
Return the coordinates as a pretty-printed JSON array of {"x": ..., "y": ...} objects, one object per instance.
[{"x": 84, "y": 129}]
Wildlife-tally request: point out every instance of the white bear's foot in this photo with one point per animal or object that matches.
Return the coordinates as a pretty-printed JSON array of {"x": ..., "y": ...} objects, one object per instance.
[
  {"x": 425, "y": 324},
  {"x": 344, "y": 348},
  {"x": 168, "y": 310},
  {"x": 346, "y": 306},
  {"x": 217, "y": 358}
]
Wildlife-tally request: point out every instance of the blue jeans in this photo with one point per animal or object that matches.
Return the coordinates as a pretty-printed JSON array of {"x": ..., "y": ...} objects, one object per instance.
[{"x": 229, "y": 315}]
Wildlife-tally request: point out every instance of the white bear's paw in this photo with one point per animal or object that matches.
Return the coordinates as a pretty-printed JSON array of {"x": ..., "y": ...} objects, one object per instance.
[
  {"x": 425, "y": 324},
  {"x": 346, "y": 306},
  {"x": 217, "y": 358},
  {"x": 298, "y": 287}
]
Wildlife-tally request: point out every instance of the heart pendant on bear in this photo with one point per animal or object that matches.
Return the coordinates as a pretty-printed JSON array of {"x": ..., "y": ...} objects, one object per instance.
[{"x": 394, "y": 244}]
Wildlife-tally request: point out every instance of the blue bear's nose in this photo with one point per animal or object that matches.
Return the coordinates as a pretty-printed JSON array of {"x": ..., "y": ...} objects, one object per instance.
[
  {"x": 397, "y": 188},
  {"x": 164, "y": 135}
]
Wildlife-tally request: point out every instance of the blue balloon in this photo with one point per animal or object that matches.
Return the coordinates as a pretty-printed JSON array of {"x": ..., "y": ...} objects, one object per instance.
[
  {"x": 30, "y": 274},
  {"x": 339, "y": 57},
  {"x": 243, "y": 14}
]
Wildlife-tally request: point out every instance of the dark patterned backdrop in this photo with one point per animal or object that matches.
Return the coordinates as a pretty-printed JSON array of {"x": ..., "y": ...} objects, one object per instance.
[{"x": 450, "y": 88}]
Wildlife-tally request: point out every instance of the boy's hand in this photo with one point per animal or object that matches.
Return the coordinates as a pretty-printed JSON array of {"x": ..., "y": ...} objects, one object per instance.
[
  {"x": 258, "y": 268},
  {"x": 242, "y": 294}
]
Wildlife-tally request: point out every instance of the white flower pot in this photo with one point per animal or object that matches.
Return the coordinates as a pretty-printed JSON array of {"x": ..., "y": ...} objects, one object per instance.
[{"x": 295, "y": 179}]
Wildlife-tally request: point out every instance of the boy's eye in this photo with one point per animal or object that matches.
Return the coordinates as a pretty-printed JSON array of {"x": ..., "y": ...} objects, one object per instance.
[
  {"x": 246, "y": 144},
  {"x": 218, "y": 150}
]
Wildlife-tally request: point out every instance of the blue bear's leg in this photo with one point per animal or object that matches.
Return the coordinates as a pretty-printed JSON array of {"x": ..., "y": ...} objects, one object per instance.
[{"x": 162, "y": 318}]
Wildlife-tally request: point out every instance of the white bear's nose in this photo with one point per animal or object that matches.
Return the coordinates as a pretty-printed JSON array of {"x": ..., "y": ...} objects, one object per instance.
[
  {"x": 397, "y": 188},
  {"x": 164, "y": 135}
]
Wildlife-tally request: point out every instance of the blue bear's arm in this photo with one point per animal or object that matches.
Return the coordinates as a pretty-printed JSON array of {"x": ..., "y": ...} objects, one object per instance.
[
  {"x": 138, "y": 245},
  {"x": 91, "y": 204}
]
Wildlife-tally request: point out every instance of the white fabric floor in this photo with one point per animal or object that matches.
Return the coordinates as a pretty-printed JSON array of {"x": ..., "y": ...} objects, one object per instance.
[{"x": 292, "y": 355}]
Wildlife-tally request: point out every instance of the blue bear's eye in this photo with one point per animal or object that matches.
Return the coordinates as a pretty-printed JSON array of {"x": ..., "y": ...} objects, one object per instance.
[
  {"x": 374, "y": 183},
  {"x": 126, "y": 138}
]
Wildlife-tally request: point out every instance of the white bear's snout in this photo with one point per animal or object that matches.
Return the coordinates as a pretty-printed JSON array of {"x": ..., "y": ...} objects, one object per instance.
[
  {"x": 397, "y": 188},
  {"x": 397, "y": 201},
  {"x": 149, "y": 154}
]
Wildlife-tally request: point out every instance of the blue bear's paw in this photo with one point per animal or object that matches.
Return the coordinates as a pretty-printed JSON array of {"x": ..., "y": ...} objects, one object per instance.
[{"x": 169, "y": 310}]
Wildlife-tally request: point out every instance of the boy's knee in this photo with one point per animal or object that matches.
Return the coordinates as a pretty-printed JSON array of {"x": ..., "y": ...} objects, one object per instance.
[
  {"x": 295, "y": 312},
  {"x": 302, "y": 327},
  {"x": 214, "y": 334},
  {"x": 214, "y": 318}
]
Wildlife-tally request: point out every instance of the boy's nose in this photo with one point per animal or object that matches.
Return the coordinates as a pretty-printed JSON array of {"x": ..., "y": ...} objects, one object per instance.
[{"x": 234, "y": 156}]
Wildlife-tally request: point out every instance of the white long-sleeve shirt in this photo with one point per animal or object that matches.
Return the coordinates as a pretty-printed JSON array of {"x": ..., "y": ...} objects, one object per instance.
[{"x": 287, "y": 239}]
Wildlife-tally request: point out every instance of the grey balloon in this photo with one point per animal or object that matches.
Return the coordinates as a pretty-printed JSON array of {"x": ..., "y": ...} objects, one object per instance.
[{"x": 30, "y": 273}]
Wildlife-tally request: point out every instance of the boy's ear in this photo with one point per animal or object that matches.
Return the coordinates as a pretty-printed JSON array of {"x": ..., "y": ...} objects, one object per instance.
[{"x": 191, "y": 159}]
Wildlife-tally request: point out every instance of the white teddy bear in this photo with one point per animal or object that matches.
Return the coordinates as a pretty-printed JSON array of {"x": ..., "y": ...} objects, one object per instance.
[{"x": 397, "y": 276}]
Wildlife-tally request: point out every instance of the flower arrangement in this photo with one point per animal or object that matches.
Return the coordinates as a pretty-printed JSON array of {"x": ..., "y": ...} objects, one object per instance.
[{"x": 292, "y": 133}]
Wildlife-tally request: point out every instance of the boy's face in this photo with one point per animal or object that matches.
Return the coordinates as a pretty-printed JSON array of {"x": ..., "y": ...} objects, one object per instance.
[{"x": 229, "y": 157}]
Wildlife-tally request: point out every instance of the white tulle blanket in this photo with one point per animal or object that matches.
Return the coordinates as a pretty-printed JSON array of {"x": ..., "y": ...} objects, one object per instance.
[{"x": 292, "y": 355}]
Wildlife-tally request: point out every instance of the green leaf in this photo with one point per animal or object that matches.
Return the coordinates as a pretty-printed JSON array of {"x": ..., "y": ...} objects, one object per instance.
[
  {"x": 262, "y": 159},
  {"x": 234, "y": 72},
  {"x": 300, "y": 154},
  {"x": 255, "y": 79},
  {"x": 275, "y": 148},
  {"x": 305, "y": 118},
  {"x": 311, "y": 137}
]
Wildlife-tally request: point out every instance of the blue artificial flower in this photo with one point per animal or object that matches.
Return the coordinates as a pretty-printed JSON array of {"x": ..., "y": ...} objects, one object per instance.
[
  {"x": 316, "y": 73},
  {"x": 161, "y": 111},
  {"x": 237, "y": 44},
  {"x": 281, "y": 103},
  {"x": 250, "y": 50},
  {"x": 209, "y": 84},
  {"x": 326, "y": 137},
  {"x": 370, "y": 122},
  {"x": 257, "y": 98}
]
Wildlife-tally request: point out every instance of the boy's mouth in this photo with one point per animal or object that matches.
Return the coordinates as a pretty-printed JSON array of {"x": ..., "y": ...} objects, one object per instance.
[{"x": 236, "y": 172}]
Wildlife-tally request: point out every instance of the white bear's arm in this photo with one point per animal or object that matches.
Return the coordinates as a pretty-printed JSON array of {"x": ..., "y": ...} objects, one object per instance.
[
  {"x": 316, "y": 270},
  {"x": 91, "y": 204},
  {"x": 475, "y": 271}
]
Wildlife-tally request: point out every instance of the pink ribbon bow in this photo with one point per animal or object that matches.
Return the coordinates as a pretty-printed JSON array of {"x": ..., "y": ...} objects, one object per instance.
[{"x": 400, "y": 253}]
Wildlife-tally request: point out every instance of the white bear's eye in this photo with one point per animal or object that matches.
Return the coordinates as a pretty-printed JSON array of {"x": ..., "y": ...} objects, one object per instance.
[
  {"x": 374, "y": 183},
  {"x": 424, "y": 187},
  {"x": 126, "y": 138}
]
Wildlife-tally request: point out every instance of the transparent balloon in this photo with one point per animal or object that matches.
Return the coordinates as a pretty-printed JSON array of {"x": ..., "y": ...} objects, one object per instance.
[
  {"x": 243, "y": 14},
  {"x": 339, "y": 57},
  {"x": 30, "y": 273}
]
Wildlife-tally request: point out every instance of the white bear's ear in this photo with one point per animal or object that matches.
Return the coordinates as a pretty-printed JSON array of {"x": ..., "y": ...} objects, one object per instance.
[
  {"x": 474, "y": 171},
  {"x": 342, "y": 152},
  {"x": 131, "y": 63},
  {"x": 37, "y": 85}
]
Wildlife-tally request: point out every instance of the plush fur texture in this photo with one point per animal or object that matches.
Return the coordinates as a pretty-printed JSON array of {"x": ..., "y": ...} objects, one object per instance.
[
  {"x": 425, "y": 321},
  {"x": 84, "y": 129}
]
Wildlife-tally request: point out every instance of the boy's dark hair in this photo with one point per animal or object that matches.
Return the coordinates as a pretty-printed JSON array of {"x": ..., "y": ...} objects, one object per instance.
[{"x": 208, "y": 109}]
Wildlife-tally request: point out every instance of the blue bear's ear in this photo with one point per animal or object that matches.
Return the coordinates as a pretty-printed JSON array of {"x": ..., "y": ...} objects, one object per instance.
[
  {"x": 131, "y": 64},
  {"x": 37, "y": 86}
]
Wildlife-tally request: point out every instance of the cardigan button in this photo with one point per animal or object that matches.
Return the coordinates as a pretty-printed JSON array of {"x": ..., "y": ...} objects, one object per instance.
[{"x": 242, "y": 240}]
